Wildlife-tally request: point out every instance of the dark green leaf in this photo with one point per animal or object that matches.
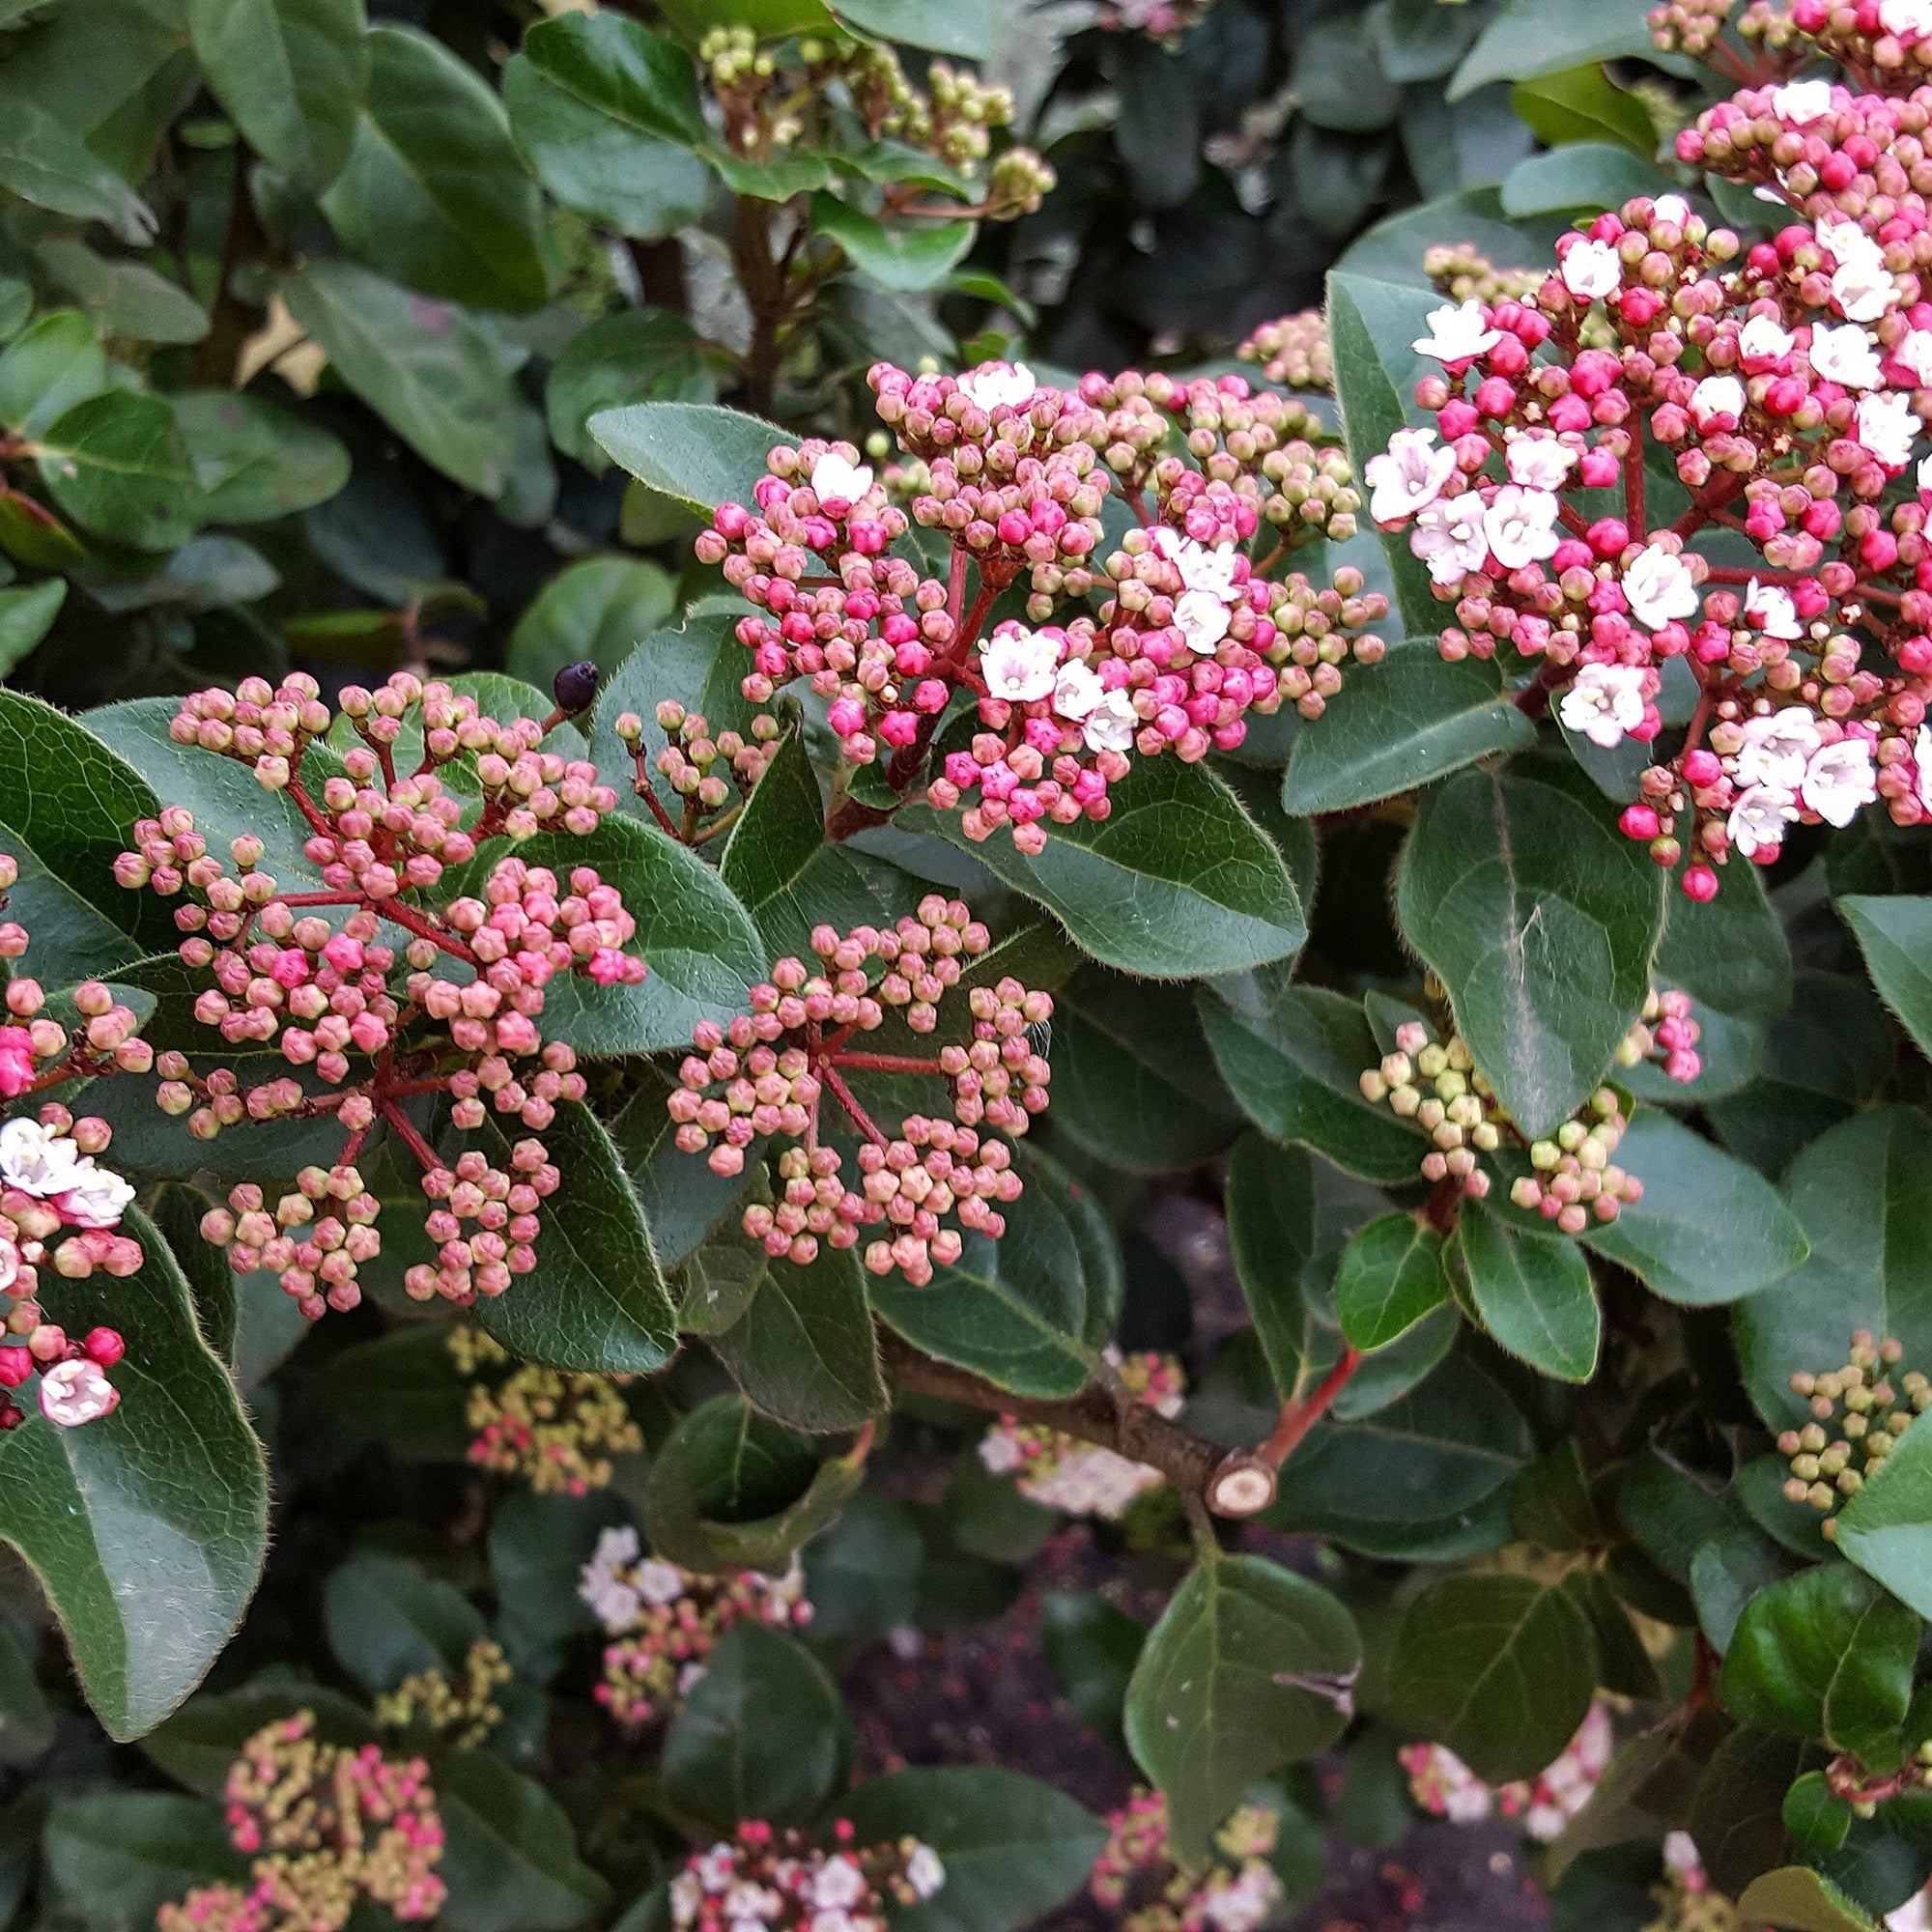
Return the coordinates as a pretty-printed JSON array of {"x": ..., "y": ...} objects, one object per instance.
[
  {"x": 637, "y": 78},
  {"x": 27, "y": 1725},
  {"x": 290, "y": 73},
  {"x": 1270, "y": 1199},
  {"x": 254, "y": 462},
  {"x": 803, "y": 1350},
  {"x": 27, "y": 613},
  {"x": 538, "y": 1548},
  {"x": 862, "y": 1574},
  {"x": 906, "y": 257},
  {"x": 1581, "y": 175},
  {"x": 1727, "y": 1571},
  {"x": 691, "y": 452},
  {"x": 1533, "y": 1292},
  {"x": 47, "y": 162},
  {"x": 117, "y": 464},
  {"x": 683, "y": 1200},
  {"x": 962, "y": 27},
  {"x": 1796, "y": 1897},
  {"x": 1581, "y": 103},
  {"x": 56, "y": 364},
  {"x": 1815, "y": 1818},
  {"x": 1550, "y": 1504},
  {"x": 1535, "y": 37},
  {"x": 114, "y": 1858},
  {"x": 200, "y": 1743},
  {"x": 1391, "y": 1276},
  {"x": 1895, "y": 935},
  {"x": 1886, "y": 1527},
  {"x": 634, "y": 355},
  {"x": 596, "y": 609},
  {"x": 124, "y": 298},
  {"x": 509, "y": 1856},
  {"x": 1737, "y": 1816},
  {"x": 1091, "y": 1648},
  {"x": 387, "y": 1621}
]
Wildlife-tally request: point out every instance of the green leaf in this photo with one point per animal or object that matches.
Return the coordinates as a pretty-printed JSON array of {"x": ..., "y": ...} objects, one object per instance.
[
  {"x": 147, "y": 1529},
  {"x": 1294, "y": 1057},
  {"x": 1864, "y": 1195},
  {"x": 254, "y": 462},
  {"x": 1581, "y": 103},
  {"x": 804, "y": 1351},
  {"x": 763, "y": 1733},
  {"x": 907, "y": 257},
  {"x": 595, "y": 1300},
  {"x": 634, "y": 355},
  {"x": 1091, "y": 1648},
  {"x": 1541, "y": 919},
  {"x": 1533, "y": 1292},
  {"x": 596, "y": 609},
  {"x": 123, "y": 297},
  {"x": 47, "y": 162},
  {"x": 1796, "y": 1897},
  {"x": 26, "y": 1723},
  {"x": 1395, "y": 725},
  {"x": 1581, "y": 175},
  {"x": 640, "y": 79},
  {"x": 691, "y": 452},
  {"x": 117, "y": 464},
  {"x": 1014, "y": 1849},
  {"x": 199, "y": 1743},
  {"x": 1391, "y": 1276},
  {"x": 1500, "y": 1668},
  {"x": 1270, "y": 1199},
  {"x": 1737, "y": 1815},
  {"x": 538, "y": 1548},
  {"x": 114, "y": 1858},
  {"x": 434, "y": 192},
  {"x": 45, "y": 371},
  {"x": 1029, "y": 1310},
  {"x": 509, "y": 1856},
  {"x": 1550, "y": 1504},
  {"x": 1250, "y": 1668},
  {"x": 27, "y": 613},
  {"x": 1895, "y": 936},
  {"x": 862, "y": 1574},
  {"x": 683, "y": 1200},
  {"x": 289, "y": 74},
  {"x": 962, "y": 27},
  {"x": 1886, "y": 1527},
  {"x": 387, "y": 1621},
  {"x": 1176, "y": 882},
  {"x": 1536, "y": 37},
  {"x": 1132, "y": 1078},
  {"x": 1729, "y": 1570},
  {"x": 427, "y": 369},
  {"x": 789, "y": 172},
  {"x": 1825, "y": 1654}
]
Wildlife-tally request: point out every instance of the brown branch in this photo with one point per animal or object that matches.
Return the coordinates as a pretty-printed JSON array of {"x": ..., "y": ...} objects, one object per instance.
[
  {"x": 1230, "y": 1482},
  {"x": 233, "y": 320}
]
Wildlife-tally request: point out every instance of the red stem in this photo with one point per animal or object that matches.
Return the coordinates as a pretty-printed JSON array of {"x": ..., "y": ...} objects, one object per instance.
[
  {"x": 1298, "y": 1418},
  {"x": 847, "y": 1100},
  {"x": 404, "y": 1131},
  {"x": 883, "y": 1062}
]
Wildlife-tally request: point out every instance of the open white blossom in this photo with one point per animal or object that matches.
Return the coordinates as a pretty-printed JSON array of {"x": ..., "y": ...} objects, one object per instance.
[
  {"x": 998, "y": 385},
  {"x": 1670, "y": 208},
  {"x": 1909, "y": 20},
  {"x": 1203, "y": 567},
  {"x": 1846, "y": 355},
  {"x": 1839, "y": 779},
  {"x": 1592, "y": 268},
  {"x": 1759, "y": 817},
  {"x": 1018, "y": 666},
  {"x": 1861, "y": 285},
  {"x": 36, "y": 1161},
  {"x": 1762, "y": 340},
  {"x": 1886, "y": 427},
  {"x": 1520, "y": 526},
  {"x": 838, "y": 1882},
  {"x": 834, "y": 480},
  {"x": 1001, "y": 1452},
  {"x": 1448, "y": 537},
  {"x": 1801, "y": 102},
  {"x": 1539, "y": 462},
  {"x": 97, "y": 1199},
  {"x": 1076, "y": 689},
  {"x": 1457, "y": 334},
  {"x": 1407, "y": 476},
  {"x": 1605, "y": 704},
  {"x": 658, "y": 1582},
  {"x": 1111, "y": 725},
  {"x": 1716, "y": 396},
  {"x": 1659, "y": 587},
  {"x": 1914, "y": 352},
  {"x": 924, "y": 1872},
  {"x": 1770, "y": 608},
  {"x": 605, "y": 1585},
  {"x": 1202, "y": 618},
  {"x": 75, "y": 1392},
  {"x": 9, "y": 1265},
  {"x": 1778, "y": 746}
]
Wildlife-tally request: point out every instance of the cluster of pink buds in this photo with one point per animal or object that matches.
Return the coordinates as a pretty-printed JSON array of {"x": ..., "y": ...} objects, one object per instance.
[
  {"x": 1137, "y": 1877},
  {"x": 1294, "y": 350},
  {"x": 663, "y": 1621},
  {"x": 783, "y": 1881},
  {"x": 1443, "y": 1785},
  {"x": 454, "y": 1017},
  {"x": 1158, "y": 20},
  {"x": 768, "y": 1072},
  {"x": 326, "y": 1827},
  {"x": 706, "y": 773},
  {"x": 557, "y": 1429},
  {"x": 1856, "y": 1417},
  {"x": 1785, "y": 385},
  {"x": 1061, "y": 1472}
]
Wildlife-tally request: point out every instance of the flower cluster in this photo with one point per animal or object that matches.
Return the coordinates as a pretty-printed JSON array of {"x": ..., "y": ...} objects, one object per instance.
[
  {"x": 663, "y": 1621},
  {"x": 557, "y": 1429},
  {"x": 326, "y": 1827},
  {"x": 768, "y": 1072},
  {"x": 426, "y": 1699},
  {"x": 1465, "y": 273},
  {"x": 1573, "y": 1175},
  {"x": 1136, "y": 1873},
  {"x": 1685, "y": 1899},
  {"x": 1189, "y": 636},
  {"x": 781, "y": 1880},
  {"x": 1857, "y": 1416},
  {"x": 1159, "y": 19},
  {"x": 59, "y": 1209},
  {"x": 1061, "y": 1472},
  {"x": 1443, "y": 1784},
  {"x": 706, "y": 773},
  {"x": 1778, "y": 387},
  {"x": 1294, "y": 350},
  {"x": 365, "y": 1027}
]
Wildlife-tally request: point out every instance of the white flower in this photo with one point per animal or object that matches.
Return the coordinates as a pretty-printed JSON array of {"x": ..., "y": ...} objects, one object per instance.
[
  {"x": 1520, "y": 526},
  {"x": 1018, "y": 664},
  {"x": 1916, "y": 353},
  {"x": 834, "y": 480},
  {"x": 1457, "y": 334},
  {"x": 36, "y": 1161},
  {"x": 1801, "y": 102},
  {"x": 1410, "y": 474},
  {"x": 998, "y": 385},
  {"x": 1921, "y": 759},
  {"x": 1914, "y": 1916},
  {"x": 1716, "y": 396},
  {"x": 1759, "y": 817},
  {"x": 1762, "y": 340},
  {"x": 999, "y": 1451},
  {"x": 687, "y": 1894},
  {"x": 1886, "y": 427},
  {"x": 1771, "y": 609},
  {"x": 835, "y": 1919},
  {"x": 1112, "y": 723},
  {"x": 1778, "y": 746},
  {"x": 1605, "y": 704},
  {"x": 1592, "y": 268},
  {"x": 717, "y": 1867},
  {"x": 1680, "y": 1854},
  {"x": 1670, "y": 208},
  {"x": 1658, "y": 587},
  {"x": 75, "y": 1392},
  {"x": 1076, "y": 689},
  {"x": 1845, "y": 355},
  {"x": 1539, "y": 462},
  {"x": 1909, "y": 19},
  {"x": 1212, "y": 572},
  {"x": 605, "y": 1586},
  {"x": 838, "y": 1882},
  {"x": 658, "y": 1582},
  {"x": 1448, "y": 537},
  {"x": 923, "y": 1871},
  {"x": 98, "y": 1197},
  {"x": 1202, "y": 620},
  {"x": 1839, "y": 779},
  {"x": 1246, "y": 1903},
  {"x": 1861, "y": 285},
  {"x": 10, "y": 1266}
]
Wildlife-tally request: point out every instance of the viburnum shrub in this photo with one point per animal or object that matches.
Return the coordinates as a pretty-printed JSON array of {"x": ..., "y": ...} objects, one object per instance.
[{"x": 998, "y": 947}]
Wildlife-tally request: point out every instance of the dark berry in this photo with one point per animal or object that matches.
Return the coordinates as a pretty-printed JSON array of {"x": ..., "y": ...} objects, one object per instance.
[{"x": 574, "y": 687}]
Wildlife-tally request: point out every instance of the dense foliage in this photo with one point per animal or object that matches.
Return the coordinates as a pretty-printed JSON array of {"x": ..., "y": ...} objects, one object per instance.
[{"x": 834, "y": 828}]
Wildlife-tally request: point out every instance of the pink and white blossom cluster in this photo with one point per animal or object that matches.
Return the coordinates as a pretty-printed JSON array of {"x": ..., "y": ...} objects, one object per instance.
[{"x": 1443, "y": 1784}]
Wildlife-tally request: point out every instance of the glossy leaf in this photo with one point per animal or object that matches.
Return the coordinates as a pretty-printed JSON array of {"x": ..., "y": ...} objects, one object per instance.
[
  {"x": 962, "y": 27},
  {"x": 906, "y": 257},
  {"x": 595, "y": 609},
  {"x": 632, "y": 356},
  {"x": 290, "y": 73},
  {"x": 1581, "y": 175},
  {"x": 509, "y": 1854},
  {"x": 1534, "y": 37},
  {"x": 1802, "y": 1900},
  {"x": 1271, "y": 1206},
  {"x": 254, "y": 462},
  {"x": 1895, "y": 935},
  {"x": 27, "y": 613},
  {"x": 114, "y": 1858},
  {"x": 44, "y": 371},
  {"x": 691, "y": 452},
  {"x": 47, "y": 162},
  {"x": 803, "y": 1350},
  {"x": 387, "y": 1621},
  {"x": 117, "y": 464},
  {"x": 1391, "y": 1276},
  {"x": 1886, "y": 1529},
  {"x": 1533, "y": 1292}
]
